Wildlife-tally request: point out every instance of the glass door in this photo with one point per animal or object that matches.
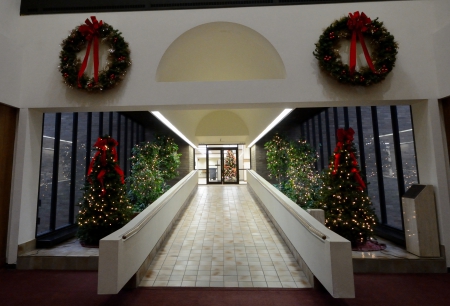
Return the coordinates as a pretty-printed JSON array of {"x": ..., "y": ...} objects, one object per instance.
[
  {"x": 230, "y": 173},
  {"x": 222, "y": 166},
  {"x": 214, "y": 166}
]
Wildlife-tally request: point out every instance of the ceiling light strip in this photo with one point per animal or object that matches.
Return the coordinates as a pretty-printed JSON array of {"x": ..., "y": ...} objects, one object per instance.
[
  {"x": 173, "y": 128},
  {"x": 280, "y": 117}
]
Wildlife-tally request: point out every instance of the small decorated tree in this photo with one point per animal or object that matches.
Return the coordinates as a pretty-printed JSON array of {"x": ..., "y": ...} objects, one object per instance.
[
  {"x": 104, "y": 206},
  {"x": 169, "y": 160},
  {"x": 152, "y": 164},
  {"x": 229, "y": 167},
  {"x": 303, "y": 181},
  {"x": 277, "y": 157},
  {"x": 348, "y": 209},
  {"x": 145, "y": 180}
]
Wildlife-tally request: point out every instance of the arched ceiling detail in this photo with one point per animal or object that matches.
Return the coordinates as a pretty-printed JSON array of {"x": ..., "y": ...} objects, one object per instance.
[
  {"x": 220, "y": 51},
  {"x": 223, "y": 124}
]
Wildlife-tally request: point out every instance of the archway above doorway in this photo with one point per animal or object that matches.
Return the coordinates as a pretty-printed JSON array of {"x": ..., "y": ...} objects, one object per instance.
[{"x": 220, "y": 51}]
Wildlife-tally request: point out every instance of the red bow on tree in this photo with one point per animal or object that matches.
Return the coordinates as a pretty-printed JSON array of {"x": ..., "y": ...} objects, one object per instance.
[
  {"x": 90, "y": 32},
  {"x": 357, "y": 23},
  {"x": 102, "y": 144},
  {"x": 345, "y": 137}
]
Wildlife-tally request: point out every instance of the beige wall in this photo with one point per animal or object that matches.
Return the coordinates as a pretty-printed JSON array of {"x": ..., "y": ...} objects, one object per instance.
[{"x": 151, "y": 33}]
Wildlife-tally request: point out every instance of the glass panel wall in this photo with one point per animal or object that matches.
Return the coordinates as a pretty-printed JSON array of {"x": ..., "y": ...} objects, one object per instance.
[
  {"x": 384, "y": 138},
  {"x": 67, "y": 140}
]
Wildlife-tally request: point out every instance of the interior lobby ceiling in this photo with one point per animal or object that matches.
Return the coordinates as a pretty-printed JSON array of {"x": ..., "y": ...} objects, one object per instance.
[{"x": 223, "y": 122}]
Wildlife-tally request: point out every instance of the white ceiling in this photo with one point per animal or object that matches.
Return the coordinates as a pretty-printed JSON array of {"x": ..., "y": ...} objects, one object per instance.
[{"x": 256, "y": 120}]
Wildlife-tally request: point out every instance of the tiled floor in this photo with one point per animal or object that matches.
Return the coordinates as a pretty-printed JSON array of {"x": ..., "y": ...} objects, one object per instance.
[{"x": 224, "y": 239}]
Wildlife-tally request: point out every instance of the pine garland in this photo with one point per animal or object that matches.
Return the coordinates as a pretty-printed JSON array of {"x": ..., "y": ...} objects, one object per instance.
[
  {"x": 384, "y": 51},
  {"x": 118, "y": 60}
]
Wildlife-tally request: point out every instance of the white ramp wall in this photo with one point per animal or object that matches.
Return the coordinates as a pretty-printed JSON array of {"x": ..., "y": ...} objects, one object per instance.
[
  {"x": 119, "y": 257},
  {"x": 327, "y": 255}
]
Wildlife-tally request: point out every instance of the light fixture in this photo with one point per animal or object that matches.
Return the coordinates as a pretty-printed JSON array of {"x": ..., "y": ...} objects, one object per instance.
[
  {"x": 173, "y": 128},
  {"x": 280, "y": 117}
]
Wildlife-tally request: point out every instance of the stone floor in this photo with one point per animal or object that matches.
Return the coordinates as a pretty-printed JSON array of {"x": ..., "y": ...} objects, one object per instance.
[{"x": 224, "y": 239}]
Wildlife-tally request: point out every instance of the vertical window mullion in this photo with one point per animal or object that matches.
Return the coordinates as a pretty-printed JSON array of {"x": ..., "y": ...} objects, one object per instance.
[
  {"x": 110, "y": 126},
  {"x": 398, "y": 157},
  {"x": 313, "y": 136},
  {"x": 119, "y": 119},
  {"x": 362, "y": 154},
  {"x": 319, "y": 124},
  {"x": 56, "y": 147},
  {"x": 73, "y": 169},
  {"x": 376, "y": 139},
  {"x": 346, "y": 121},
  {"x": 307, "y": 131},
  {"x": 88, "y": 140},
  {"x": 100, "y": 124},
  {"x": 125, "y": 147},
  {"x": 327, "y": 121},
  {"x": 336, "y": 121}
]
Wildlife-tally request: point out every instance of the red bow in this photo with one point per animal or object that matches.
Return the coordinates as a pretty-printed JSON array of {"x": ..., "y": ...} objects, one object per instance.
[
  {"x": 90, "y": 32},
  {"x": 102, "y": 145},
  {"x": 357, "y": 23},
  {"x": 345, "y": 137}
]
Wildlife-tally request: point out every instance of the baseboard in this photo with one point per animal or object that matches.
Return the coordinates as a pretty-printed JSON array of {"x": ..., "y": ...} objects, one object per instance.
[{"x": 26, "y": 247}]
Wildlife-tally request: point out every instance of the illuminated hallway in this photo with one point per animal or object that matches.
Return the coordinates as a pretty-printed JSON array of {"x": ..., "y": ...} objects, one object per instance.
[{"x": 224, "y": 239}]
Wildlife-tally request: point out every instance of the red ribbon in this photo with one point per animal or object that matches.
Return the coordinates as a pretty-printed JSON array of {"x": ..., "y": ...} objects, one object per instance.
[
  {"x": 359, "y": 179},
  {"x": 357, "y": 23},
  {"x": 102, "y": 145},
  {"x": 345, "y": 137},
  {"x": 90, "y": 32}
]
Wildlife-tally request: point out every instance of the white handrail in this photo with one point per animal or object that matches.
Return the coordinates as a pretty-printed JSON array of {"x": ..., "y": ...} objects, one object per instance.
[
  {"x": 122, "y": 253},
  {"x": 297, "y": 216},
  {"x": 329, "y": 259}
]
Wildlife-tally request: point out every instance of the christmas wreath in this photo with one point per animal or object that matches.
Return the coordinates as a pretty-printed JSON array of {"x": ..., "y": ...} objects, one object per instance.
[
  {"x": 91, "y": 34},
  {"x": 357, "y": 27}
]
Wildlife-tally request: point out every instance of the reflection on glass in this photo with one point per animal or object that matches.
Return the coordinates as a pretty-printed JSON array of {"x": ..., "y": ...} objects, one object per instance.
[
  {"x": 81, "y": 159},
  {"x": 214, "y": 166},
  {"x": 45, "y": 184},
  {"x": 407, "y": 145},
  {"x": 393, "y": 208},
  {"x": 371, "y": 164},
  {"x": 64, "y": 171}
]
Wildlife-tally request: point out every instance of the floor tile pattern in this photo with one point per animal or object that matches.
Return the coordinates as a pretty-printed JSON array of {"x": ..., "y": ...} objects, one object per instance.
[{"x": 224, "y": 239}]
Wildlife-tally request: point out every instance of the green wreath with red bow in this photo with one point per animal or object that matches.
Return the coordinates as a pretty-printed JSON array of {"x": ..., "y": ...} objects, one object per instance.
[
  {"x": 356, "y": 27},
  {"x": 88, "y": 36}
]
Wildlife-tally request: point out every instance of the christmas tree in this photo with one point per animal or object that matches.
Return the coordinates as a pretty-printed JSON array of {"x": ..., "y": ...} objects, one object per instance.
[
  {"x": 277, "y": 157},
  {"x": 348, "y": 210},
  {"x": 303, "y": 180},
  {"x": 229, "y": 167},
  {"x": 152, "y": 164},
  {"x": 104, "y": 207}
]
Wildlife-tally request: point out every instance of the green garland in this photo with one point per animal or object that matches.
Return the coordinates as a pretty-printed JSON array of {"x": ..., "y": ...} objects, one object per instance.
[
  {"x": 117, "y": 63},
  {"x": 384, "y": 51}
]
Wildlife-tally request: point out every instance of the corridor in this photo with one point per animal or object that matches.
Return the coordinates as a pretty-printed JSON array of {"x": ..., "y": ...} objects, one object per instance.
[{"x": 224, "y": 239}]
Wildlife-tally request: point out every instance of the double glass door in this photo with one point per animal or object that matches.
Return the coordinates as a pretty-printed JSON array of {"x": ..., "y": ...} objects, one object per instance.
[{"x": 222, "y": 166}]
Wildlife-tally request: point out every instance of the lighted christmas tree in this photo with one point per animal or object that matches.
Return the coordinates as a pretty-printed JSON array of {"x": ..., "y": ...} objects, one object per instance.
[
  {"x": 152, "y": 164},
  {"x": 303, "y": 181},
  {"x": 277, "y": 157},
  {"x": 348, "y": 210},
  {"x": 104, "y": 207},
  {"x": 229, "y": 167}
]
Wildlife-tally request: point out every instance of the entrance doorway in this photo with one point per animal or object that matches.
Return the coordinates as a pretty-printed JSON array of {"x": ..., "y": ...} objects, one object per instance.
[{"x": 222, "y": 165}]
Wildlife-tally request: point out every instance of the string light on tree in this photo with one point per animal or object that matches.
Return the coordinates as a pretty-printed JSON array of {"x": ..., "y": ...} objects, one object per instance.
[
  {"x": 103, "y": 208},
  {"x": 352, "y": 216}
]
